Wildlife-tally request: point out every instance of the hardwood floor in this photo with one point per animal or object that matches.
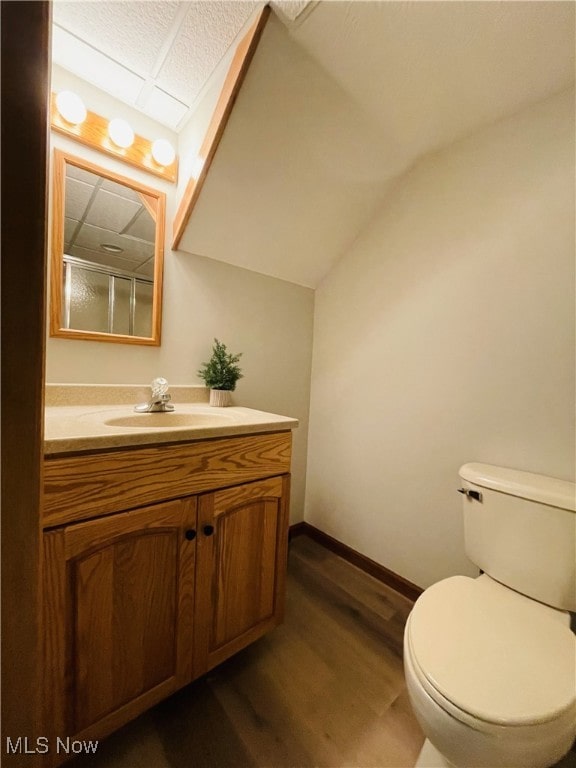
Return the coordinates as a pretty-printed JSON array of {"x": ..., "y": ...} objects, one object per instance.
[{"x": 325, "y": 689}]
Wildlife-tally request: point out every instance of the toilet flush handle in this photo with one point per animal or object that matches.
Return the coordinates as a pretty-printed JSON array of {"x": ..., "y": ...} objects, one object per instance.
[{"x": 471, "y": 494}]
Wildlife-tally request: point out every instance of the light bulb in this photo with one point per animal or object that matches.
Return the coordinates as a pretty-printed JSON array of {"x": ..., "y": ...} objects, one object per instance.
[
  {"x": 120, "y": 133},
  {"x": 71, "y": 107},
  {"x": 163, "y": 152}
]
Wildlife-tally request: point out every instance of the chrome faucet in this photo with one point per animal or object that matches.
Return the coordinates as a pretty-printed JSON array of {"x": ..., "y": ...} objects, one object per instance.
[{"x": 160, "y": 400}]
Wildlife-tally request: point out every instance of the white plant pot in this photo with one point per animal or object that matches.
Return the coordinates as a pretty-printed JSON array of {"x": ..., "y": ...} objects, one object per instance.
[{"x": 220, "y": 398}]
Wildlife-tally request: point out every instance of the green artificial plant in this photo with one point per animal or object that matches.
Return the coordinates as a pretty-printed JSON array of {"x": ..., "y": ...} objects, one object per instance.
[{"x": 221, "y": 371}]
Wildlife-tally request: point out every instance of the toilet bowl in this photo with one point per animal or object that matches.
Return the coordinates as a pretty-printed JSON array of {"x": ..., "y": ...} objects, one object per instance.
[
  {"x": 490, "y": 662},
  {"x": 490, "y": 675}
]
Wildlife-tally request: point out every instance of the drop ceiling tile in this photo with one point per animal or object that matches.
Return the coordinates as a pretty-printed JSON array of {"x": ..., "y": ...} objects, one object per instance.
[
  {"x": 146, "y": 269},
  {"x": 143, "y": 227},
  {"x": 164, "y": 108},
  {"x": 154, "y": 56},
  {"x": 87, "y": 254},
  {"x": 72, "y": 172},
  {"x": 111, "y": 212},
  {"x": 133, "y": 250},
  {"x": 117, "y": 262},
  {"x": 121, "y": 190},
  {"x": 69, "y": 229},
  {"x": 207, "y": 33},
  {"x": 92, "y": 237},
  {"x": 91, "y": 65},
  {"x": 129, "y": 32},
  {"x": 78, "y": 195},
  {"x": 107, "y": 259}
]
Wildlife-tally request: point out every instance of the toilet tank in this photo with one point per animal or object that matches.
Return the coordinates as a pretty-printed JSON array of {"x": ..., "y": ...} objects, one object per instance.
[{"x": 520, "y": 529}]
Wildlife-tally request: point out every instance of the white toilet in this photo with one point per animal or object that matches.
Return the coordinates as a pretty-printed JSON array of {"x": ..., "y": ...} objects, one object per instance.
[{"x": 490, "y": 662}]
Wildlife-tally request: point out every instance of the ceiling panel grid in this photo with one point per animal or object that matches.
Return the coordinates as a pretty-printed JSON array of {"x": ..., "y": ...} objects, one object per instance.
[{"x": 155, "y": 56}]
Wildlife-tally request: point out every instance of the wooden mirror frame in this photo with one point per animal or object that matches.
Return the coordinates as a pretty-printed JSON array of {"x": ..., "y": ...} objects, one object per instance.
[{"x": 60, "y": 160}]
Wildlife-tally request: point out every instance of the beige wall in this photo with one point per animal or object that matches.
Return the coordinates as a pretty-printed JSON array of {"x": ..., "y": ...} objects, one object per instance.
[
  {"x": 267, "y": 319},
  {"x": 446, "y": 335}
]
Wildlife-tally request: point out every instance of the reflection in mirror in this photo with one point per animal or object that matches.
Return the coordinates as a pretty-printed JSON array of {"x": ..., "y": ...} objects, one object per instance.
[{"x": 108, "y": 234}]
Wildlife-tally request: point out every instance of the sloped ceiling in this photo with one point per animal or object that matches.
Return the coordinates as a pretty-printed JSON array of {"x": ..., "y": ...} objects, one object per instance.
[{"x": 335, "y": 107}]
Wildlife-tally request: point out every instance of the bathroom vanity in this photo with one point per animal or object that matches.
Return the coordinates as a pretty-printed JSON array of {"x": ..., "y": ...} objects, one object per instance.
[{"x": 164, "y": 553}]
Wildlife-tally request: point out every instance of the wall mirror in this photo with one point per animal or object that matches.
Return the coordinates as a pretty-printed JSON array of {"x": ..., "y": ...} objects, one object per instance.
[{"x": 107, "y": 255}]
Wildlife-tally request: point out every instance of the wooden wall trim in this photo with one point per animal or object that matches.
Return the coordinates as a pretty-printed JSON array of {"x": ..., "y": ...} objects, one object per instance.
[
  {"x": 386, "y": 576},
  {"x": 25, "y": 126},
  {"x": 230, "y": 89},
  {"x": 298, "y": 529}
]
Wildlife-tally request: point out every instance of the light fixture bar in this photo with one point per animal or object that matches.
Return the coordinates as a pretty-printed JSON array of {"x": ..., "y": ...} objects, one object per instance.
[{"x": 93, "y": 132}]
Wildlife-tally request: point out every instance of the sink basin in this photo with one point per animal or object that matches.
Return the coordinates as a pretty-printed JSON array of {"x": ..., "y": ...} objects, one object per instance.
[{"x": 169, "y": 420}]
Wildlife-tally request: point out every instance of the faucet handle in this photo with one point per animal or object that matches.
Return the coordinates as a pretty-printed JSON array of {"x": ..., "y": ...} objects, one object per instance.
[{"x": 159, "y": 387}]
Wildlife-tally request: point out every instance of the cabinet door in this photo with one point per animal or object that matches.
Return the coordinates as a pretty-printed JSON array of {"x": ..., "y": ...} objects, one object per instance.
[
  {"x": 241, "y": 568},
  {"x": 118, "y": 618}
]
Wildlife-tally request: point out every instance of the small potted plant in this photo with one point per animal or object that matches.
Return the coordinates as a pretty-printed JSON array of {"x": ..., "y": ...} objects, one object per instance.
[{"x": 221, "y": 373}]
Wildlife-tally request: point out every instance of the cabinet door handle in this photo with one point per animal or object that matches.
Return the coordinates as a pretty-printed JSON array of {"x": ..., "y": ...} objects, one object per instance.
[
  {"x": 190, "y": 534},
  {"x": 208, "y": 530}
]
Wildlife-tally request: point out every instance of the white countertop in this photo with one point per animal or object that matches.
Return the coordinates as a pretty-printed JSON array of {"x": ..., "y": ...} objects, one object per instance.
[{"x": 72, "y": 428}]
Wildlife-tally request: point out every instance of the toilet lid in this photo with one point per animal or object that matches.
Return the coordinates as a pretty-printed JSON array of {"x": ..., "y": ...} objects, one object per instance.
[{"x": 494, "y": 653}]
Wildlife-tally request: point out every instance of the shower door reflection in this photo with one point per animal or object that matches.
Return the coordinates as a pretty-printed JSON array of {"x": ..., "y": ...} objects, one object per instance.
[{"x": 105, "y": 300}]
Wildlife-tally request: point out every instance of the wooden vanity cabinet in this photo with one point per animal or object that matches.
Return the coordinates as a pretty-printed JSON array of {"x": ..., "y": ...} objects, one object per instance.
[
  {"x": 118, "y": 616},
  {"x": 139, "y": 603},
  {"x": 241, "y": 567}
]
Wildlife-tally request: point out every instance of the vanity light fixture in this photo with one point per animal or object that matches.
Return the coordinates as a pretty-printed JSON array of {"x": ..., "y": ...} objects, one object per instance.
[
  {"x": 71, "y": 107},
  {"x": 163, "y": 152},
  {"x": 115, "y": 138},
  {"x": 121, "y": 133}
]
